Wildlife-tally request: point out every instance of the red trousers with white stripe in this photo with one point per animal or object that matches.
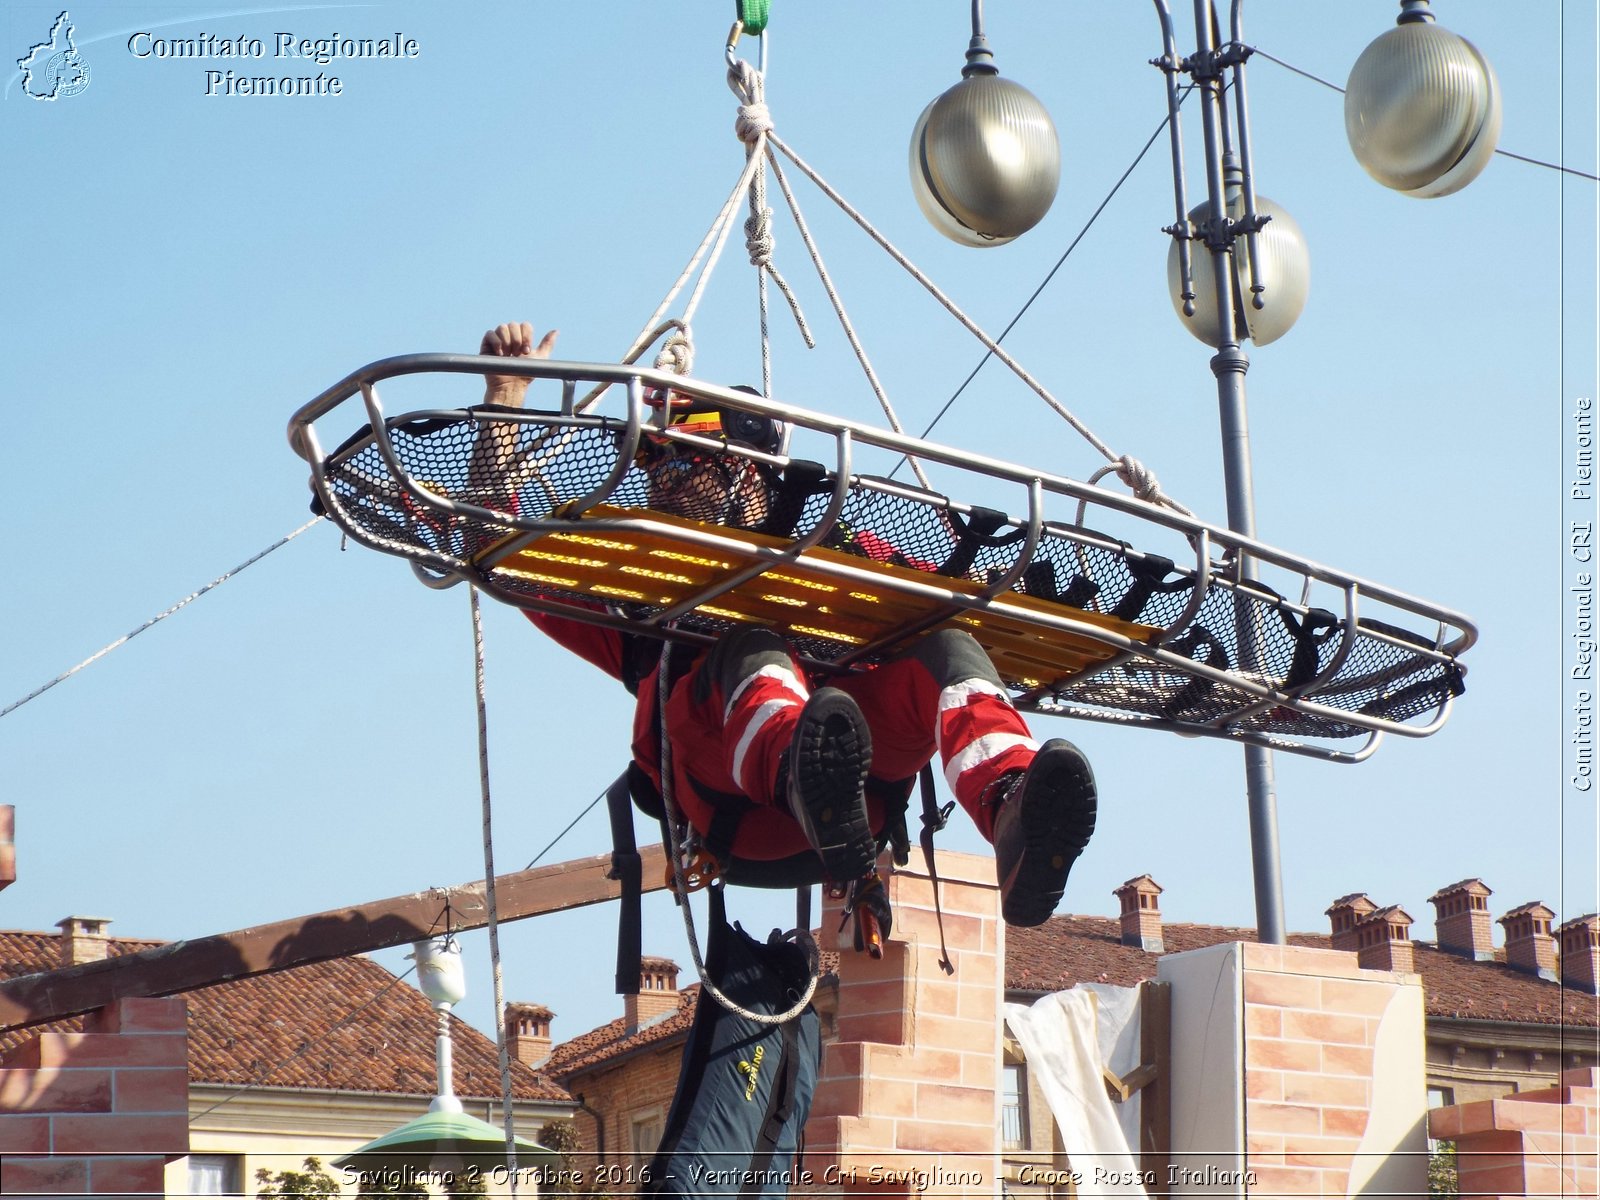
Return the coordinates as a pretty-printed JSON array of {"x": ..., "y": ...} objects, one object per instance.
[{"x": 731, "y": 718}]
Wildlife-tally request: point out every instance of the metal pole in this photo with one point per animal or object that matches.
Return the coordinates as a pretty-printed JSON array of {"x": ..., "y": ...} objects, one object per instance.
[{"x": 1229, "y": 366}]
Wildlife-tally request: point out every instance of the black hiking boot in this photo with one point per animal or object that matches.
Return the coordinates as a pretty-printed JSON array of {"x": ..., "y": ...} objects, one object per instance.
[
  {"x": 1046, "y": 818},
  {"x": 827, "y": 768}
]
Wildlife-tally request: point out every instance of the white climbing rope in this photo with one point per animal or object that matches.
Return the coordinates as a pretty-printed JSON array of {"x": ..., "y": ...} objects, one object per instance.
[
  {"x": 845, "y": 323},
  {"x": 676, "y": 828},
  {"x": 711, "y": 244},
  {"x": 751, "y": 125},
  {"x": 501, "y": 1045},
  {"x": 1136, "y": 475}
]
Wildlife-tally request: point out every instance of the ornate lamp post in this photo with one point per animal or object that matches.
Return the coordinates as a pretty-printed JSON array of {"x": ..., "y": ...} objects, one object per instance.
[{"x": 1422, "y": 113}]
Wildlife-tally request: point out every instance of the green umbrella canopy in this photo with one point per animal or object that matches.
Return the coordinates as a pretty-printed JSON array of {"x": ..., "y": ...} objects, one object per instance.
[{"x": 470, "y": 1142}]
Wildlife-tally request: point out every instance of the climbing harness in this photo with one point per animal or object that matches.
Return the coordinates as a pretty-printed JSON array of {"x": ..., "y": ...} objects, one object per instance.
[{"x": 684, "y": 853}]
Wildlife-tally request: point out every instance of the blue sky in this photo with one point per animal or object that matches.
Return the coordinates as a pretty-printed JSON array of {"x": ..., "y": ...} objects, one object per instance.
[{"x": 189, "y": 269}]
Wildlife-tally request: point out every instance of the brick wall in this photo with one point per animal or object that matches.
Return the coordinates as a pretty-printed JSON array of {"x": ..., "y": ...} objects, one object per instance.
[
  {"x": 1542, "y": 1143},
  {"x": 1296, "y": 1072},
  {"x": 101, "y": 1111},
  {"x": 639, "y": 1088},
  {"x": 907, "y": 1102}
]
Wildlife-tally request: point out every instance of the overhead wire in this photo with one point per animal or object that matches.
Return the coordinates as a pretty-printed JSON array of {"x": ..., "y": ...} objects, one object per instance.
[
  {"x": 157, "y": 619},
  {"x": 1537, "y": 162},
  {"x": 989, "y": 354}
]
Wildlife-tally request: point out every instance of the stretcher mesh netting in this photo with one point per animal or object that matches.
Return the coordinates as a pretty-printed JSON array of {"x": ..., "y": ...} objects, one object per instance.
[{"x": 1088, "y": 625}]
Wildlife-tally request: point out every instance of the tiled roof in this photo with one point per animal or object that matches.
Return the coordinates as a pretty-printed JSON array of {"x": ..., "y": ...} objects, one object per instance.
[
  {"x": 1471, "y": 885},
  {"x": 1067, "y": 950},
  {"x": 345, "y": 1025},
  {"x": 613, "y": 1040}
]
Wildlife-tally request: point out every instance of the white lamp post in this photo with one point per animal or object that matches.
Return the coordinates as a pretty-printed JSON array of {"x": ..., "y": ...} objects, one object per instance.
[{"x": 445, "y": 1139}]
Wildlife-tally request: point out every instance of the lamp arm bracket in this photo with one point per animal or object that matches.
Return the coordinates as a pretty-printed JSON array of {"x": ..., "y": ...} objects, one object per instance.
[{"x": 1205, "y": 65}]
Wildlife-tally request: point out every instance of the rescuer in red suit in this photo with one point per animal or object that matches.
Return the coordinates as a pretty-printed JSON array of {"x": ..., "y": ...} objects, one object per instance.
[{"x": 767, "y": 767}]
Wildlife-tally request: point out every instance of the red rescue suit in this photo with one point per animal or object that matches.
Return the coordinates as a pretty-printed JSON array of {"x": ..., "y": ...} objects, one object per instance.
[{"x": 942, "y": 697}]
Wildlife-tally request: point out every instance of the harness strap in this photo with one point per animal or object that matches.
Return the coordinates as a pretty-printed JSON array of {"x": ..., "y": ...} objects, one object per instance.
[
  {"x": 1310, "y": 633},
  {"x": 1149, "y": 577},
  {"x": 801, "y": 480},
  {"x": 780, "y": 1107},
  {"x": 974, "y": 532},
  {"x": 728, "y": 810},
  {"x": 627, "y": 868},
  {"x": 894, "y": 795},
  {"x": 934, "y": 819},
  {"x": 1201, "y": 645}
]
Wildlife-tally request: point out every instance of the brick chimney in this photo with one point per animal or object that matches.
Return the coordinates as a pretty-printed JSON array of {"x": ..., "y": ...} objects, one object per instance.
[
  {"x": 1461, "y": 920},
  {"x": 1529, "y": 946},
  {"x": 657, "y": 996},
  {"x": 1384, "y": 940},
  {"x": 83, "y": 940},
  {"x": 8, "y": 849},
  {"x": 1346, "y": 913},
  {"x": 528, "y": 1033},
  {"x": 1141, "y": 914},
  {"x": 1580, "y": 954}
]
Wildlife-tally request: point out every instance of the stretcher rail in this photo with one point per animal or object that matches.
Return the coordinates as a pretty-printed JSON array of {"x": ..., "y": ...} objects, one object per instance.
[{"x": 549, "y": 509}]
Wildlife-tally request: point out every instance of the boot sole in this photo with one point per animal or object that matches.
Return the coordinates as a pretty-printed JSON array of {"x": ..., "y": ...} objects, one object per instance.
[
  {"x": 831, "y": 756},
  {"x": 1058, "y": 816}
]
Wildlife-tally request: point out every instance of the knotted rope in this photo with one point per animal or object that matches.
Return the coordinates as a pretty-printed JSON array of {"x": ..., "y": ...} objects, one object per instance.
[
  {"x": 1140, "y": 480},
  {"x": 752, "y": 123}
]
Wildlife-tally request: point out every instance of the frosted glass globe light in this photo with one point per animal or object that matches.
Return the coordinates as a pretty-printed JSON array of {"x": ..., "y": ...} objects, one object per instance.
[
  {"x": 985, "y": 161},
  {"x": 1284, "y": 272},
  {"x": 440, "y": 974},
  {"x": 1422, "y": 110}
]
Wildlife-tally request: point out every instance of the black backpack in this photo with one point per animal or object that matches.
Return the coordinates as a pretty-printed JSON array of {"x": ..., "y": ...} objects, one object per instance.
[{"x": 744, "y": 1089}]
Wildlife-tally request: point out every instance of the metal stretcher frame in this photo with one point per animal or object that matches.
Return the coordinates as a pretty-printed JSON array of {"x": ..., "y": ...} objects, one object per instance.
[{"x": 1109, "y": 691}]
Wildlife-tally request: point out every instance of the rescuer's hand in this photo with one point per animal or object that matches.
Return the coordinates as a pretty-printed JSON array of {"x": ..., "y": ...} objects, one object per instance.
[{"x": 512, "y": 340}]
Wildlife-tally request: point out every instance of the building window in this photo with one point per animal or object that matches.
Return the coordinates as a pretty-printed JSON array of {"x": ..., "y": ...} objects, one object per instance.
[
  {"x": 1014, "y": 1107},
  {"x": 214, "y": 1175},
  {"x": 645, "y": 1136}
]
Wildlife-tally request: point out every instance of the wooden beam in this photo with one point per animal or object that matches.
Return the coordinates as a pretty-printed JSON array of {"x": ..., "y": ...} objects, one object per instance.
[
  {"x": 300, "y": 941},
  {"x": 1155, "y": 1105}
]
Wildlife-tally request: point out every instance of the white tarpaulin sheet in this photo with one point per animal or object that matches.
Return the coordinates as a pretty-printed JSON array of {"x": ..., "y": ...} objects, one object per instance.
[{"x": 1066, "y": 1037}]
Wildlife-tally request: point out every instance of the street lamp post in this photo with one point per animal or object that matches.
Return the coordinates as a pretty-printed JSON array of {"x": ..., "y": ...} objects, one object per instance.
[
  {"x": 1422, "y": 113},
  {"x": 1220, "y": 231}
]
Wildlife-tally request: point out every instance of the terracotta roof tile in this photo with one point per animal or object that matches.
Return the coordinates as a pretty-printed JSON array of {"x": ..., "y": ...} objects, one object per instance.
[
  {"x": 612, "y": 1040},
  {"x": 344, "y": 1025},
  {"x": 1476, "y": 886}
]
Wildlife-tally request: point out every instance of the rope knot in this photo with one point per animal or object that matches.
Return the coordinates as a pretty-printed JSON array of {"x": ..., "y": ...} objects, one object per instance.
[
  {"x": 753, "y": 120},
  {"x": 1141, "y": 480},
  {"x": 758, "y": 237},
  {"x": 676, "y": 355}
]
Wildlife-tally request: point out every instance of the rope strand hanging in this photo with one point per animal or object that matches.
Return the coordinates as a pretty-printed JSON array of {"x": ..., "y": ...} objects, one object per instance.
[{"x": 502, "y": 1046}]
